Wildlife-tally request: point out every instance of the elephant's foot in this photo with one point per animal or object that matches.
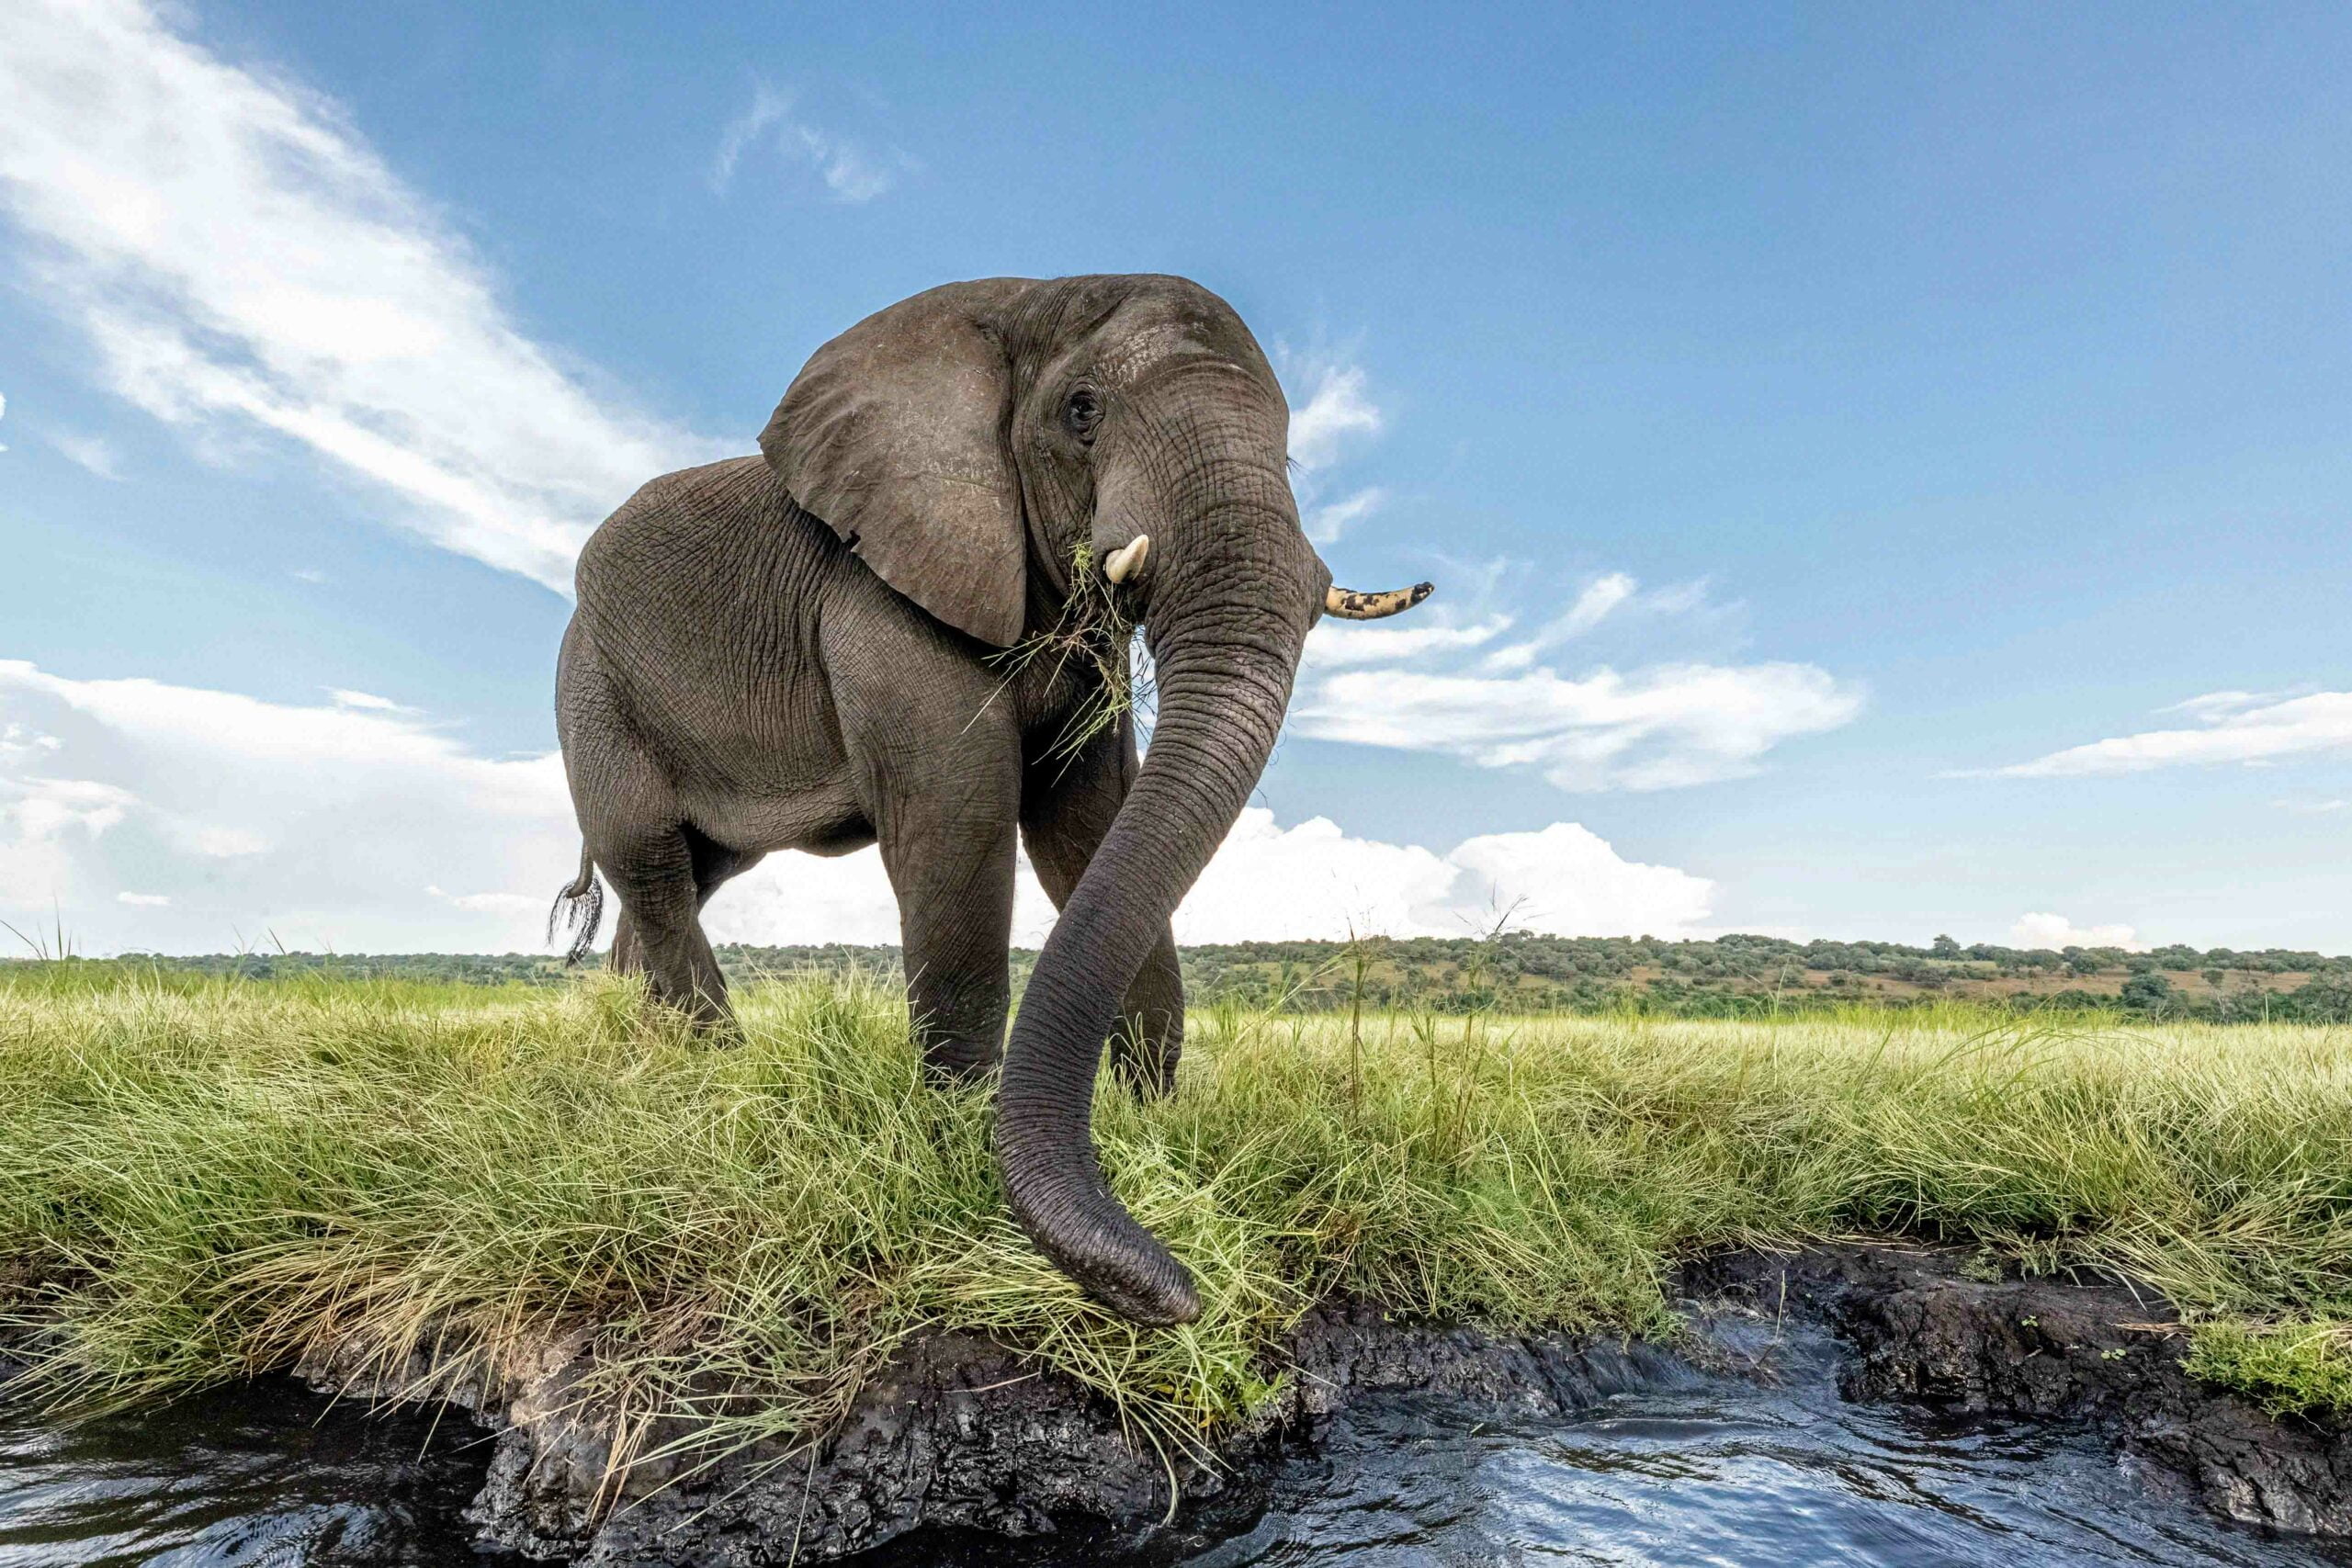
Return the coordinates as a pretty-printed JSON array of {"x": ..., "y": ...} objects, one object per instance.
[{"x": 958, "y": 1063}]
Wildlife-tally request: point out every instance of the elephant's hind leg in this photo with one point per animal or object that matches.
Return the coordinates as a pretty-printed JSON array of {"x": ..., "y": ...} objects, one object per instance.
[
  {"x": 713, "y": 864},
  {"x": 645, "y": 851}
]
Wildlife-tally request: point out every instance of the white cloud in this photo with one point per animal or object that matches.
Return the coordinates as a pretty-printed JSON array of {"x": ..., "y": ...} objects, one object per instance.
[
  {"x": 849, "y": 171},
  {"x": 1313, "y": 880},
  {"x": 46, "y": 824},
  {"x": 1326, "y": 524},
  {"x": 1600, "y": 598},
  {"x": 240, "y": 815},
  {"x": 1594, "y": 606},
  {"x": 2247, "y": 727},
  {"x": 18, "y": 741},
  {"x": 2314, "y": 808},
  {"x": 1339, "y": 644},
  {"x": 1658, "y": 728},
  {"x": 94, "y": 453},
  {"x": 241, "y": 261},
  {"x": 1654, "y": 726},
  {"x": 2056, "y": 931},
  {"x": 1336, "y": 410},
  {"x": 369, "y": 700},
  {"x": 3, "y": 412}
]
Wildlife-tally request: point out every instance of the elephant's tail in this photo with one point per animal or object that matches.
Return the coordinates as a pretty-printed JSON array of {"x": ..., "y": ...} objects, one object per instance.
[{"x": 580, "y": 908}]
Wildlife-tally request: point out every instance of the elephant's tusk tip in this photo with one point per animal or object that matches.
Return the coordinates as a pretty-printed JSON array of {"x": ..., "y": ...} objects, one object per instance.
[{"x": 1123, "y": 562}]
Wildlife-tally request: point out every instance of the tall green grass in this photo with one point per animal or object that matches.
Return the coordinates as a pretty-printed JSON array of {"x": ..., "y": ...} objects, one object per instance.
[{"x": 203, "y": 1179}]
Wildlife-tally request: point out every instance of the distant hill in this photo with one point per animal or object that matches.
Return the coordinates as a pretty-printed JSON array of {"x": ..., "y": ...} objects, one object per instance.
[{"x": 1729, "y": 977}]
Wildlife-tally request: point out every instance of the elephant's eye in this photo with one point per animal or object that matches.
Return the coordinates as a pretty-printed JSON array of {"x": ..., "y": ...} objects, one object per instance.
[{"x": 1082, "y": 412}]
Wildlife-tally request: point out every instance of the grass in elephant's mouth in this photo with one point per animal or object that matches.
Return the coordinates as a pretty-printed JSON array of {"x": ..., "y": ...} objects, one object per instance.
[
  {"x": 212, "y": 1176},
  {"x": 1094, "y": 639}
]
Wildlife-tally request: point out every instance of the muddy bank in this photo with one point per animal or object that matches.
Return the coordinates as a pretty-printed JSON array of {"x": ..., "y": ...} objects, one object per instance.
[
  {"x": 959, "y": 1433},
  {"x": 2099, "y": 1352}
]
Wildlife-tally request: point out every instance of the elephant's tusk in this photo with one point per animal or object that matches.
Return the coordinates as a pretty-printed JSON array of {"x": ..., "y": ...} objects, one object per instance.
[
  {"x": 1350, "y": 605},
  {"x": 1122, "y": 562}
]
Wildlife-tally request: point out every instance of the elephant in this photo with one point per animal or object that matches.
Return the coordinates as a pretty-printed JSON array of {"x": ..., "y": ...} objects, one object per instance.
[{"x": 837, "y": 643}]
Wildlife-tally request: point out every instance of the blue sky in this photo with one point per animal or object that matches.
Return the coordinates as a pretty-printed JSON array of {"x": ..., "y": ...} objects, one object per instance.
[{"x": 1885, "y": 471}]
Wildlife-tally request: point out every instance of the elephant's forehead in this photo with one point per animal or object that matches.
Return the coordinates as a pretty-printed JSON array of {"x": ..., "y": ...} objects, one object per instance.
[{"x": 1133, "y": 355}]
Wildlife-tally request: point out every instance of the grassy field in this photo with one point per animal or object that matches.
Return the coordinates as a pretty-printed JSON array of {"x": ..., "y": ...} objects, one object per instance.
[{"x": 202, "y": 1176}]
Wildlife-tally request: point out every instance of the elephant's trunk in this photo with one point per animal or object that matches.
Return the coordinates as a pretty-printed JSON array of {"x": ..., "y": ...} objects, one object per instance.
[{"x": 1221, "y": 703}]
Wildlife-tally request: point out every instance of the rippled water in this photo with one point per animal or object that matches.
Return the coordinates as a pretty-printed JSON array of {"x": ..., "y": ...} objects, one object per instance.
[
  {"x": 269, "y": 1475},
  {"x": 1731, "y": 1474},
  {"x": 1720, "y": 1471}
]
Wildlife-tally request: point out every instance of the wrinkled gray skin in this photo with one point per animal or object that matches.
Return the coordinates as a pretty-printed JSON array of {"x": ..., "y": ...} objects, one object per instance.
[{"x": 742, "y": 677}]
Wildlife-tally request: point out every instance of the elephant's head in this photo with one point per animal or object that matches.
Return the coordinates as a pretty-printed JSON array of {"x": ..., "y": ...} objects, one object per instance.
[{"x": 966, "y": 441}]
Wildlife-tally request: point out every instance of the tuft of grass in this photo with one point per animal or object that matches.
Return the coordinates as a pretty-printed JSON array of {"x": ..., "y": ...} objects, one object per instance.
[
  {"x": 2289, "y": 1368},
  {"x": 201, "y": 1179}
]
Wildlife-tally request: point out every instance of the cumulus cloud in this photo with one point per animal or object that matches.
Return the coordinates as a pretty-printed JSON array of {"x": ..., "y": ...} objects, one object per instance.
[
  {"x": 2249, "y": 728},
  {"x": 1654, "y": 726},
  {"x": 367, "y": 829},
  {"x": 2056, "y": 932},
  {"x": 322, "y": 822},
  {"x": 242, "y": 261},
  {"x": 848, "y": 172},
  {"x": 1314, "y": 880}
]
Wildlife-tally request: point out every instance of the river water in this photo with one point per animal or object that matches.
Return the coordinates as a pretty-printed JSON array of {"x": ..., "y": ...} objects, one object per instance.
[{"x": 1728, "y": 1472}]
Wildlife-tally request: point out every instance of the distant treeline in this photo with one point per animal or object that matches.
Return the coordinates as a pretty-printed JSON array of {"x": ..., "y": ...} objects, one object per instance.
[{"x": 1729, "y": 977}]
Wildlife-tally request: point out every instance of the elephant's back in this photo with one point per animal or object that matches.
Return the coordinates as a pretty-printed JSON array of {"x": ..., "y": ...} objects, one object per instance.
[{"x": 701, "y": 597}]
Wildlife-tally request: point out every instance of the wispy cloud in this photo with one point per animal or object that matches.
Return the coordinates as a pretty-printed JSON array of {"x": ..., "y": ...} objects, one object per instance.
[
  {"x": 850, "y": 171},
  {"x": 2248, "y": 728},
  {"x": 1656, "y": 726},
  {"x": 94, "y": 452},
  {"x": 1331, "y": 415},
  {"x": 241, "y": 261},
  {"x": 367, "y": 700},
  {"x": 1659, "y": 727},
  {"x": 1336, "y": 645},
  {"x": 2057, "y": 932},
  {"x": 1598, "y": 600},
  {"x": 1329, "y": 524},
  {"x": 1336, "y": 410}
]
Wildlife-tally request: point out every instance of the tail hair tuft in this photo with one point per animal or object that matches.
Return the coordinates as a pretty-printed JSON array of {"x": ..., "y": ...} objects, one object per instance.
[{"x": 580, "y": 910}]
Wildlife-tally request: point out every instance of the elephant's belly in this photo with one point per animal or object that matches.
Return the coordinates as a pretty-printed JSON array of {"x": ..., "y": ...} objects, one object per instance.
[{"x": 823, "y": 819}]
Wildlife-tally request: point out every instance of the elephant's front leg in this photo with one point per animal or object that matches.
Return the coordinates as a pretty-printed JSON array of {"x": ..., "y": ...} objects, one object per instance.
[
  {"x": 944, "y": 799},
  {"x": 1066, "y": 807}
]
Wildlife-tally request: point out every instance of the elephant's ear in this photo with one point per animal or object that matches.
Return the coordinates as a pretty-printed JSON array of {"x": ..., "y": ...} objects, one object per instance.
[{"x": 894, "y": 434}]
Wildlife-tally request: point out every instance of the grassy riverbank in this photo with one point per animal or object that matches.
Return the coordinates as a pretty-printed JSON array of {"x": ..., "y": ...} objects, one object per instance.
[{"x": 200, "y": 1177}]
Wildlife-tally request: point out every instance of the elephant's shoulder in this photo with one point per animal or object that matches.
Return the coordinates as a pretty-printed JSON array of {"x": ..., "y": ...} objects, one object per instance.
[{"x": 726, "y": 486}]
